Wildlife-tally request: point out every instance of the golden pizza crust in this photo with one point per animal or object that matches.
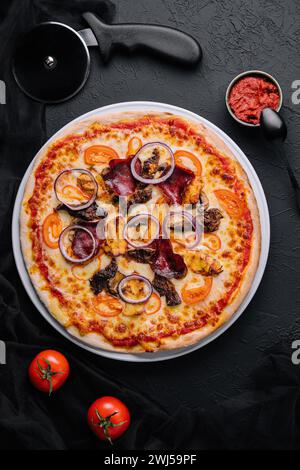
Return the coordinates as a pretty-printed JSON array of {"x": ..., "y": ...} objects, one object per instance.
[{"x": 98, "y": 340}]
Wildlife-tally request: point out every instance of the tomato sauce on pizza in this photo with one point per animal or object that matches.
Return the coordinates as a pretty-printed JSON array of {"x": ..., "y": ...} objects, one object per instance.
[{"x": 140, "y": 232}]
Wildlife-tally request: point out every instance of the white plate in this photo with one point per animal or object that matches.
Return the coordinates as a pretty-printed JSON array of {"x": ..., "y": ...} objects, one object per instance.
[{"x": 265, "y": 233}]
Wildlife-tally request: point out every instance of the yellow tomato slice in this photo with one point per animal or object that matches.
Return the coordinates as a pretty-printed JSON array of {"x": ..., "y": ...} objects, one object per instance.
[
  {"x": 51, "y": 230},
  {"x": 230, "y": 202},
  {"x": 99, "y": 155},
  {"x": 211, "y": 241},
  {"x": 181, "y": 155},
  {"x": 134, "y": 146},
  {"x": 107, "y": 306},
  {"x": 74, "y": 193},
  {"x": 194, "y": 295},
  {"x": 153, "y": 304}
]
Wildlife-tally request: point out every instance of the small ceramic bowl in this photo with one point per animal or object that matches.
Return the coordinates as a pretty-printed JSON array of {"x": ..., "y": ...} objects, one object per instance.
[{"x": 246, "y": 74}]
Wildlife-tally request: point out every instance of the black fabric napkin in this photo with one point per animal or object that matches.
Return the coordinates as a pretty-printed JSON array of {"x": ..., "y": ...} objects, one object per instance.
[{"x": 266, "y": 416}]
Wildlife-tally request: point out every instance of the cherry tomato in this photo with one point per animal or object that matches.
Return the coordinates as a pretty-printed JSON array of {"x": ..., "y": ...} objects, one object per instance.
[
  {"x": 48, "y": 371},
  {"x": 108, "y": 418}
]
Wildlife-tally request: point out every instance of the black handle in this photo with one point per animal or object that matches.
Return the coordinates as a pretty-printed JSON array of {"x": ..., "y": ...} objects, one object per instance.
[{"x": 168, "y": 42}]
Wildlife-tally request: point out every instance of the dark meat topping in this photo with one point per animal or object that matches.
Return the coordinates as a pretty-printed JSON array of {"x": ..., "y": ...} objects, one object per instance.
[
  {"x": 175, "y": 186},
  {"x": 150, "y": 166},
  {"x": 165, "y": 262},
  {"x": 118, "y": 177},
  {"x": 141, "y": 255},
  {"x": 165, "y": 287},
  {"x": 112, "y": 284},
  {"x": 91, "y": 213},
  {"x": 100, "y": 279},
  {"x": 212, "y": 219},
  {"x": 141, "y": 196}
]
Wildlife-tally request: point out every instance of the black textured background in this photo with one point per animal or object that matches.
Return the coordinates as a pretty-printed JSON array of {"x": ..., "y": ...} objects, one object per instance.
[{"x": 236, "y": 35}]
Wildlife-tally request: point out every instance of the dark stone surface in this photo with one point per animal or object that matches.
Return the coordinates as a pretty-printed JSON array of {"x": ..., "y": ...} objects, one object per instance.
[{"x": 235, "y": 36}]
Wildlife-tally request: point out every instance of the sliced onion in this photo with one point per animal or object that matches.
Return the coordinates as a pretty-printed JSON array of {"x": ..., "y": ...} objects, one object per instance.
[
  {"x": 135, "y": 220},
  {"x": 153, "y": 180},
  {"x": 133, "y": 277},
  {"x": 62, "y": 248},
  {"x": 195, "y": 225},
  {"x": 84, "y": 205}
]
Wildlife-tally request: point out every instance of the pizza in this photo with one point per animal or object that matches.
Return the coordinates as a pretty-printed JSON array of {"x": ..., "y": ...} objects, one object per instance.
[{"x": 140, "y": 232}]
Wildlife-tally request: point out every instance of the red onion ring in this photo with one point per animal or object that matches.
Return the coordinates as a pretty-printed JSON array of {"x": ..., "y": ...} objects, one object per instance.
[
  {"x": 78, "y": 206},
  {"x": 190, "y": 218},
  {"x": 129, "y": 278},
  {"x": 135, "y": 219},
  {"x": 62, "y": 248},
  {"x": 152, "y": 180}
]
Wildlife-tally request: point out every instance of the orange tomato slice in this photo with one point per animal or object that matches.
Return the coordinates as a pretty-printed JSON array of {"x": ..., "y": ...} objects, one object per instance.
[
  {"x": 195, "y": 295},
  {"x": 230, "y": 202},
  {"x": 134, "y": 146},
  {"x": 180, "y": 155},
  {"x": 153, "y": 304},
  {"x": 52, "y": 227},
  {"x": 74, "y": 193},
  {"x": 107, "y": 306},
  {"x": 99, "y": 155},
  {"x": 211, "y": 241}
]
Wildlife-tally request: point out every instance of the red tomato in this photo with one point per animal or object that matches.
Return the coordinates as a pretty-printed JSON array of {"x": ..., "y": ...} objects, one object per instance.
[
  {"x": 48, "y": 371},
  {"x": 108, "y": 418}
]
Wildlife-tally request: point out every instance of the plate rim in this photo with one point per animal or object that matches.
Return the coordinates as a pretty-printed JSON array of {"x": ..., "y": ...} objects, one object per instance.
[{"x": 263, "y": 214}]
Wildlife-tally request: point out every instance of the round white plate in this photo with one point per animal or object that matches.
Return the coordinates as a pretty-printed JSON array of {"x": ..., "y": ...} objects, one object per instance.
[{"x": 265, "y": 233}]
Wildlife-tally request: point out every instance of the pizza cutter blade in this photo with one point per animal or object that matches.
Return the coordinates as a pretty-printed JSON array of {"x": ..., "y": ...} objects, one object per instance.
[{"x": 52, "y": 61}]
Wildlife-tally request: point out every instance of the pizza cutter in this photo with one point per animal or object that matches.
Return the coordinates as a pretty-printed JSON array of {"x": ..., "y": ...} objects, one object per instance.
[{"x": 51, "y": 62}]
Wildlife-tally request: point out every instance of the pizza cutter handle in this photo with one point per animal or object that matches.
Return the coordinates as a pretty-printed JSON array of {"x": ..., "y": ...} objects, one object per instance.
[{"x": 161, "y": 40}]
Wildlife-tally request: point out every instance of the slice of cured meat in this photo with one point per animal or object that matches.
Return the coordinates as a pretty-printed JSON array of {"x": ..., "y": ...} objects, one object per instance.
[
  {"x": 165, "y": 262},
  {"x": 175, "y": 186},
  {"x": 119, "y": 177},
  {"x": 82, "y": 244}
]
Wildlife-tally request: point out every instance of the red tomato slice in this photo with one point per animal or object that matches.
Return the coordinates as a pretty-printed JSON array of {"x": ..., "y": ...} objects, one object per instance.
[
  {"x": 134, "y": 146},
  {"x": 194, "y": 295},
  {"x": 52, "y": 227},
  {"x": 99, "y": 155},
  {"x": 180, "y": 155},
  {"x": 232, "y": 204}
]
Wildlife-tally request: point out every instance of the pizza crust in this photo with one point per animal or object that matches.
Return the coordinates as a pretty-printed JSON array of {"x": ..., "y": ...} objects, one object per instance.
[{"x": 98, "y": 340}]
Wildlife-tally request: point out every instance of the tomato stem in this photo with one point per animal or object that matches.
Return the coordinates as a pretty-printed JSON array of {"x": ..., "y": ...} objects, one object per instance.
[
  {"x": 105, "y": 424},
  {"x": 46, "y": 373}
]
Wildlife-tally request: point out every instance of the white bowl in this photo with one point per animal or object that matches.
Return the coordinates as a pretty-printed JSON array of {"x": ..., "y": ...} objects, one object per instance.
[{"x": 246, "y": 74}]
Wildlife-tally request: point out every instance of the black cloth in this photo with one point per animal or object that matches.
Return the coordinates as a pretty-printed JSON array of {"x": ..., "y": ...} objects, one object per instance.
[{"x": 265, "y": 415}]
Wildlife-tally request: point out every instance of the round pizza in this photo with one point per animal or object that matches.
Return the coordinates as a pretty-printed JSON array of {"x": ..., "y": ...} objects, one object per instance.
[{"x": 140, "y": 232}]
